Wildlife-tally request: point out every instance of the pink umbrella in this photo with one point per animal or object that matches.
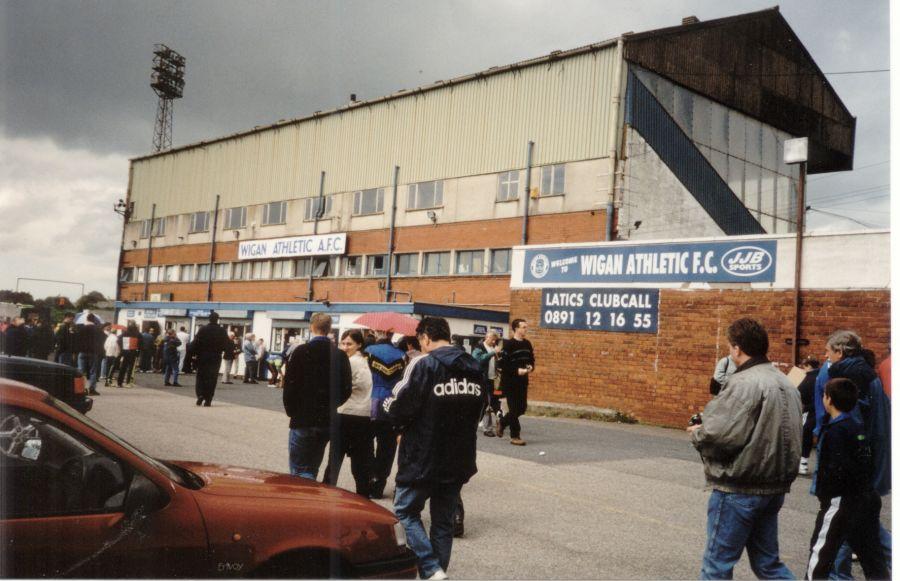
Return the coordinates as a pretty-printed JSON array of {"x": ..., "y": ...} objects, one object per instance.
[{"x": 389, "y": 321}]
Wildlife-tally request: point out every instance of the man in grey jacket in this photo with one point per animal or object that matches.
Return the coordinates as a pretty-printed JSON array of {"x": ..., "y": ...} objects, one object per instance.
[{"x": 749, "y": 442}]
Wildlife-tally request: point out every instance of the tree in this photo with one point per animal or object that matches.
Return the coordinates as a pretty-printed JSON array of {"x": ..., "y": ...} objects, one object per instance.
[
  {"x": 10, "y": 296},
  {"x": 90, "y": 300}
]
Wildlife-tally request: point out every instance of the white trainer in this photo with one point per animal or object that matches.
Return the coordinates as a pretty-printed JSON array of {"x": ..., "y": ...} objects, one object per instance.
[{"x": 439, "y": 575}]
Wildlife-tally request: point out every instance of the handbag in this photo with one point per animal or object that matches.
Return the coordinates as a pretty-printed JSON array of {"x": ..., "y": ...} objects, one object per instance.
[{"x": 714, "y": 386}]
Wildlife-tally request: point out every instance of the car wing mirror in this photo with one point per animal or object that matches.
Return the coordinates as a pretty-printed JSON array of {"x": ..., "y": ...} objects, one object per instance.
[{"x": 143, "y": 496}]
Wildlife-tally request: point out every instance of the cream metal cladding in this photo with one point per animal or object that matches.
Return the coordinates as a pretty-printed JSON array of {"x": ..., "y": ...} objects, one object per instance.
[{"x": 475, "y": 126}]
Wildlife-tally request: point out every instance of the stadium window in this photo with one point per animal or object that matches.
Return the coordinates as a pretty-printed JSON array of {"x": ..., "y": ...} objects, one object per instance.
[
  {"x": 274, "y": 213},
  {"x": 553, "y": 180},
  {"x": 508, "y": 186},
  {"x": 425, "y": 195}
]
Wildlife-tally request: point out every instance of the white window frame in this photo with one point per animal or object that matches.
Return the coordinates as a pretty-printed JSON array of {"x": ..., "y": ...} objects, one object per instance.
[
  {"x": 492, "y": 268},
  {"x": 414, "y": 264},
  {"x": 425, "y": 256},
  {"x": 229, "y": 218},
  {"x": 201, "y": 272},
  {"x": 553, "y": 180},
  {"x": 475, "y": 254},
  {"x": 221, "y": 271},
  {"x": 311, "y": 205},
  {"x": 414, "y": 198},
  {"x": 170, "y": 273},
  {"x": 154, "y": 274},
  {"x": 260, "y": 270},
  {"x": 127, "y": 274},
  {"x": 306, "y": 266},
  {"x": 318, "y": 270},
  {"x": 186, "y": 273},
  {"x": 345, "y": 265},
  {"x": 269, "y": 219},
  {"x": 508, "y": 186},
  {"x": 370, "y": 265},
  {"x": 282, "y": 269},
  {"x": 240, "y": 271},
  {"x": 378, "y": 193},
  {"x": 145, "y": 228},
  {"x": 196, "y": 225}
]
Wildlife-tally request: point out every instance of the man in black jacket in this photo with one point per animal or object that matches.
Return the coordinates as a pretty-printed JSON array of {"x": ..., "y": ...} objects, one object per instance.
[
  {"x": 436, "y": 406},
  {"x": 209, "y": 343},
  {"x": 65, "y": 340},
  {"x": 316, "y": 382}
]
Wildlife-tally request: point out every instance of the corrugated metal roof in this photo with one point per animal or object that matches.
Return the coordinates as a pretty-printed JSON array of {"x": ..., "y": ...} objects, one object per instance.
[{"x": 468, "y": 128}]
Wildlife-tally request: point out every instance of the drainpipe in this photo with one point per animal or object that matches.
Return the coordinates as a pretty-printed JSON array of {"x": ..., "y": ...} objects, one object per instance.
[
  {"x": 798, "y": 262},
  {"x": 613, "y": 150},
  {"x": 149, "y": 250},
  {"x": 319, "y": 212},
  {"x": 527, "y": 192},
  {"x": 126, "y": 215},
  {"x": 390, "y": 253},
  {"x": 212, "y": 250}
]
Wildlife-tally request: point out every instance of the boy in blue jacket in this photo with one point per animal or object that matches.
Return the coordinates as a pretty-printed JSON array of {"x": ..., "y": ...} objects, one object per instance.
[{"x": 849, "y": 505}]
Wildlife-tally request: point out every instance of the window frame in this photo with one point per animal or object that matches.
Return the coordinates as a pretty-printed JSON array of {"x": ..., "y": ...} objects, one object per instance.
[
  {"x": 345, "y": 263},
  {"x": 158, "y": 229},
  {"x": 554, "y": 171},
  {"x": 310, "y": 205},
  {"x": 358, "y": 202},
  {"x": 449, "y": 268},
  {"x": 307, "y": 267},
  {"x": 414, "y": 264},
  {"x": 493, "y": 260},
  {"x": 192, "y": 229},
  {"x": 504, "y": 183},
  {"x": 267, "y": 213},
  {"x": 370, "y": 268},
  {"x": 229, "y": 213},
  {"x": 224, "y": 266},
  {"x": 475, "y": 257},
  {"x": 279, "y": 267},
  {"x": 167, "y": 270},
  {"x": 414, "y": 195},
  {"x": 199, "y": 271}
]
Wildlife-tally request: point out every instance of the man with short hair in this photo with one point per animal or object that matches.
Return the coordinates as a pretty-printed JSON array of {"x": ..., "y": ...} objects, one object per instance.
[
  {"x": 516, "y": 364},
  {"x": 386, "y": 362},
  {"x": 749, "y": 441},
  {"x": 436, "y": 407},
  {"x": 209, "y": 343},
  {"x": 317, "y": 380},
  {"x": 182, "y": 349}
]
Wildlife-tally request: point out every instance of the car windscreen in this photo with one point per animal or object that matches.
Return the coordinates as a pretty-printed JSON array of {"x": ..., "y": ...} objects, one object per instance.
[{"x": 169, "y": 472}]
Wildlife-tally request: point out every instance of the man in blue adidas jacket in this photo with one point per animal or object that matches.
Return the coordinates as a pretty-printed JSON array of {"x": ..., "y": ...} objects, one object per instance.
[{"x": 436, "y": 407}]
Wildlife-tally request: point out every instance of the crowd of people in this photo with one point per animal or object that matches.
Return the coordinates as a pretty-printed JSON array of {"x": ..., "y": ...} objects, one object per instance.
[
  {"x": 754, "y": 441},
  {"x": 365, "y": 395}
]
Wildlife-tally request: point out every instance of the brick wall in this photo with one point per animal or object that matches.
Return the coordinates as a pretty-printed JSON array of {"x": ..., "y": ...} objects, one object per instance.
[
  {"x": 492, "y": 291},
  {"x": 664, "y": 378}
]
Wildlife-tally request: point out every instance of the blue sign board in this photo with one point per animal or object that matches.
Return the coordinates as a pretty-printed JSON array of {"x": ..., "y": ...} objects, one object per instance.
[
  {"x": 479, "y": 329},
  {"x": 199, "y": 313},
  {"x": 739, "y": 261},
  {"x": 151, "y": 313},
  {"x": 618, "y": 310}
]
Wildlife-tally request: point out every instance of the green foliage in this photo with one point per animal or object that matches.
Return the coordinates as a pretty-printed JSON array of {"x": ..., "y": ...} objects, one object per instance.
[
  {"x": 90, "y": 300},
  {"x": 11, "y": 296}
]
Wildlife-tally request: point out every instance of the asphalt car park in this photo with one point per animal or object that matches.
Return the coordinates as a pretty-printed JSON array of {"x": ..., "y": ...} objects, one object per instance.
[{"x": 80, "y": 501}]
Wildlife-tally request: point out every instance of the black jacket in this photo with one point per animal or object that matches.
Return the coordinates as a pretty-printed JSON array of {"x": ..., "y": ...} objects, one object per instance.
[
  {"x": 89, "y": 339},
  {"x": 209, "y": 343},
  {"x": 17, "y": 340},
  {"x": 41, "y": 341},
  {"x": 437, "y": 406},
  {"x": 313, "y": 387},
  {"x": 845, "y": 459},
  {"x": 807, "y": 389},
  {"x": 65, "y": 338},
  {"x": 514, "y": 356}
]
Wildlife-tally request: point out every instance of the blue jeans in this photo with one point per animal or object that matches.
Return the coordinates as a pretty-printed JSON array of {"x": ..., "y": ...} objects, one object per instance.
[
  {"x": 171, "y": 369},
  {"x": 306, "y": 448},
  {"x": 843, "y": 564},
  {"x": 64, "y": 359},
  {"x": 735, "y": 521},
  {"x": 89, "y": 365},
  {"x": 433, "y": 549}
]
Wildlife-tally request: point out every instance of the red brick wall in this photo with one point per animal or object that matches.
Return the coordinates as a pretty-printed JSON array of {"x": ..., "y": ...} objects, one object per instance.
[
  {"x": 664, "y": 378},
  {"x": 491, "y": 291}
]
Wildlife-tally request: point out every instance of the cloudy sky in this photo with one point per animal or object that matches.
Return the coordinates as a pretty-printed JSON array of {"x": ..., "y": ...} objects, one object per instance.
[{"x": 75, "y": 103}]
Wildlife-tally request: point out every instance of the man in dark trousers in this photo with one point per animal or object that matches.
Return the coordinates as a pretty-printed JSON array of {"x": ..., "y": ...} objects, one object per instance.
[
  {"x": 65, "y": 340},
  {"x": 436, "y": 407},
  {"x": 516, "y": 364},
  {"x": 386, "y": 363},
  {"x": 316, "y": 382},
  {"x": 211, "y": 340}
]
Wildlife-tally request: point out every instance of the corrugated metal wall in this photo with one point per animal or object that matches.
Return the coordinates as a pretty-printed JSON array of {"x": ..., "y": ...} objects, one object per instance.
[{"x": 474, "y": 127}]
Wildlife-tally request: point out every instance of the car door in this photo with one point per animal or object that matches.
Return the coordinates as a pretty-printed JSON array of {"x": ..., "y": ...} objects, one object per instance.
[{"x": 63, "y": 511}]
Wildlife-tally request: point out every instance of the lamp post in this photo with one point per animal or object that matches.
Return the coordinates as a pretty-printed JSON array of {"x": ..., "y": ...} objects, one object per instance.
[{"x": 796, "y": 151}]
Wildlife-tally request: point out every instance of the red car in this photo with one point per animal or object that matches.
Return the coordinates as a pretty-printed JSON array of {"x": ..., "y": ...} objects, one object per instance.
[{"x": 77, "y": 501}]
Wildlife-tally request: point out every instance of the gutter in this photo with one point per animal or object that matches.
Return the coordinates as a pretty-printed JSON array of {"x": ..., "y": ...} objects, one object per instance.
[
  {"x": 390, "y": 253},
  {"x": 318, "y": 216},
  {"x": 612, "y": 138}
]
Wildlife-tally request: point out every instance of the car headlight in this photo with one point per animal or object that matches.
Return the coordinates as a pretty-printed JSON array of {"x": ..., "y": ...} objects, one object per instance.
[{"x": 400, "y": 534}]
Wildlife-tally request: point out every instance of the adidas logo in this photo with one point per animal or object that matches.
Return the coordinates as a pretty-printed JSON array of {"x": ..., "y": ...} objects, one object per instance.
[{"x": 457, "y": 387}]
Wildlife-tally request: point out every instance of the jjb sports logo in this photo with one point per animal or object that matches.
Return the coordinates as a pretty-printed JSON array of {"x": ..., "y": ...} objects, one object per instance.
[
  {"x": 747, "y": 261},
  {"x": 457, "y": 387},
  {"x": 540, "y": 266}
]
